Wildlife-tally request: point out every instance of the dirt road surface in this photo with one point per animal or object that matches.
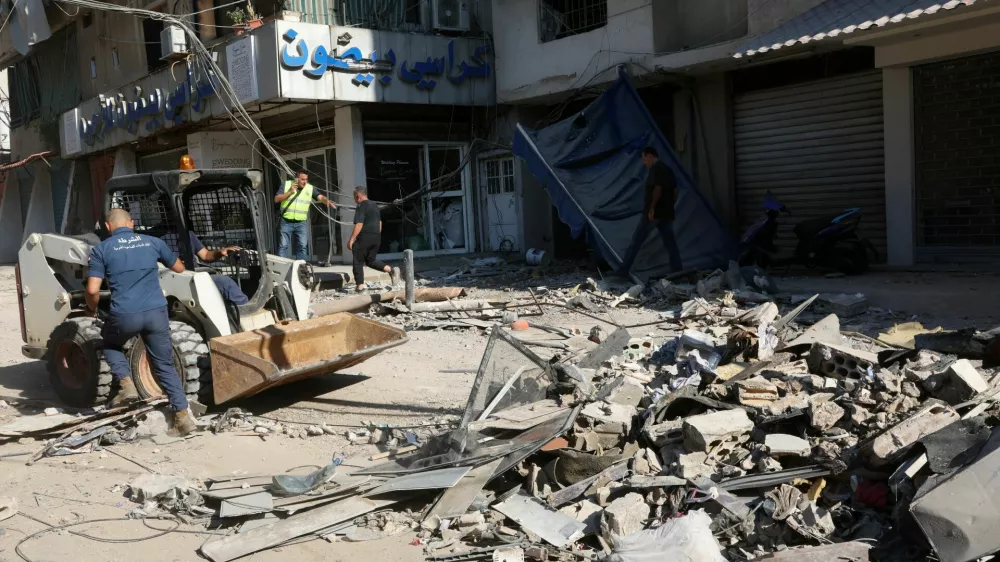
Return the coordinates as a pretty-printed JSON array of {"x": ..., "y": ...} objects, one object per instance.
[{"x": 402, "y": 386}]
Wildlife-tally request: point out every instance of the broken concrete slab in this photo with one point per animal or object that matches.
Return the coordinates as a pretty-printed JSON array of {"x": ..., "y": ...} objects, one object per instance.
[
  {"x": 780, "y": 444},
  {"x": 625, "y": 391},
  {"x": 555, "y": 528},
  {"x": 625, "y": 516},
  {"x": 895, "y": 442},
  {"x": 707, "y": 431},
  {"x": 147, "y": 487},
  {"x": 610, "y": 413},
  {"x": 661, "y": 434},
  {"x": 826, "y": 330}
]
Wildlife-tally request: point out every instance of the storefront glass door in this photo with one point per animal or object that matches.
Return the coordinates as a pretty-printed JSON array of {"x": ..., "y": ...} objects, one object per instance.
[{"x": 433, "y": 217}]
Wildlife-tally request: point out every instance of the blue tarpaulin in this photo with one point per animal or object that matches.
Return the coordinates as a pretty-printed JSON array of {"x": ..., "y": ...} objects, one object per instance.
[{"x": 591, "y": 166}]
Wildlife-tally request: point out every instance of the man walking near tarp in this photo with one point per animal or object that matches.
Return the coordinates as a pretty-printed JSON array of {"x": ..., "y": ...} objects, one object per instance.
[
  {"x": 294, "y": 198},
  {"x": 657, "y": 212},
  {"x": 366, "y": 238}
]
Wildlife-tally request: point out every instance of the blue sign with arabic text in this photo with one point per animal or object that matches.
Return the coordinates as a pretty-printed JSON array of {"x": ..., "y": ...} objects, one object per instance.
[
  {"x": 116, "y": 112},
  {"x": 424, "y": 74}
]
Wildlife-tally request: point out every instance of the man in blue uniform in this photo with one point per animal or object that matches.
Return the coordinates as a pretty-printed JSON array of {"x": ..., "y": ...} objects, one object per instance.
[
  {"x": 231, "y": 292},
  {"x": 128, "y": 261}
]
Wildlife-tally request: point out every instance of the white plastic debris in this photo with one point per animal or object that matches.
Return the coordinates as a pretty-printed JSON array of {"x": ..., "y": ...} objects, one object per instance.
[{"x": 687, "y": 538}]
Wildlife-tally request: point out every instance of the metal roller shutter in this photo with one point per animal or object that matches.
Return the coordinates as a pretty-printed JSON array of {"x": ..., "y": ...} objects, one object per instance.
[
  {"x": 818, "y": 147},
  {"x": 957, "y": 132}
]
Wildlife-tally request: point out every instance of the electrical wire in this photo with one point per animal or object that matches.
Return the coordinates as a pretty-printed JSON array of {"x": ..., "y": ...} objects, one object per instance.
[{"x": 53, "y": 528}]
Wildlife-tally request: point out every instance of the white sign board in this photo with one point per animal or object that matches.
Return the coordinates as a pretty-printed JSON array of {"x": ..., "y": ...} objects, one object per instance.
[
  {"x": 218, "y": 150},
  {"x": 242, "y": 69}
]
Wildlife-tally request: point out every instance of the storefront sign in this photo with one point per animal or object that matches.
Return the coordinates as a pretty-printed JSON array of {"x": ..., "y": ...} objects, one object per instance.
[
  {"x": 217, "y": 150},
  {"x": 315, "y": 60},
  {"x": 117, "y": 112}
]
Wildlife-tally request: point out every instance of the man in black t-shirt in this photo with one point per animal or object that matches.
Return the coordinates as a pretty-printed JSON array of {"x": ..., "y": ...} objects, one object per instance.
[
  {"x": 657, "y": 212},
  {"x": 367, "y": 238}
]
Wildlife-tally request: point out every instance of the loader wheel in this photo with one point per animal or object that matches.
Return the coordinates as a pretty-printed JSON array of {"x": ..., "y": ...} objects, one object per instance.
[
  {"x": 77, "y": 369},
  {"x": 190, "y": 360}
]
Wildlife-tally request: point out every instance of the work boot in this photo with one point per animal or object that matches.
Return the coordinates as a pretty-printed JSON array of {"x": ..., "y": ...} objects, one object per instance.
[
  {"x": 126, "y": 393},
  {"x": 184, "y": 424},
  {"x": 396, "y": 276}
]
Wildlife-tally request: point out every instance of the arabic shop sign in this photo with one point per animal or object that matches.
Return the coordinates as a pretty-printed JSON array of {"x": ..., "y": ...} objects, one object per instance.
[
  {"x": 296, "y": 54},
  {"x": 162, "y": 109}
]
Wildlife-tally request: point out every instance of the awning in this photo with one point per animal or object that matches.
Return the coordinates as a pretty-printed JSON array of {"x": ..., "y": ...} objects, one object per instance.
[{"x": 835, "y": 18}]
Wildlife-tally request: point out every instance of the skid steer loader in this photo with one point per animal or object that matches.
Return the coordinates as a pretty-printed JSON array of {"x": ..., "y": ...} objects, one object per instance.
[{"x": 222, "y": 351}]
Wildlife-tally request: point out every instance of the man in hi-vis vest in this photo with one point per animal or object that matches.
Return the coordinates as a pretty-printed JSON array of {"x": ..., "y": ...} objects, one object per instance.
[{"x": 293, "y": 201}]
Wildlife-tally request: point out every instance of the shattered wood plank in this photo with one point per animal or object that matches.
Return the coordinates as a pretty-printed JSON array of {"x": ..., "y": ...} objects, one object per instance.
[
  {"x": 555, "y": 528},
  {"x": 261, "y": 538},
  {"x": 455, "y": 501},
  {"x": 568, "y": 494},
  {"x": 612, "y": 346}
]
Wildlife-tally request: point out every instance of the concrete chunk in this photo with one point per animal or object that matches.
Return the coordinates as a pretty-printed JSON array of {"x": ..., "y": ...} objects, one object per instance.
[
  {"x": 661, "y": 434},
  {"x": 624, "y": 516},
  {"x": 705, "y": 432},
  {"x": 827, "y": 359},
  {"x": 756, "y": 392},
  {"x": 900, "y": 438},
  {"x": 781, "y": 444},
  {"x": 824, "y": 415},
  {"x": 624, "y": 391},
  {"x": 963, "y": 382}
]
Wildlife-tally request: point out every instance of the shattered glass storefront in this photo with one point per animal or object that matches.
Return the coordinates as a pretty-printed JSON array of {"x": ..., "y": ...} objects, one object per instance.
[{"x": 431, "y": 180}]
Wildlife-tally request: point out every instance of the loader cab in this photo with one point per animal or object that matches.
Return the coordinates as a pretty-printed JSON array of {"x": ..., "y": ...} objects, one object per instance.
[{"x": 220, "y": 207}]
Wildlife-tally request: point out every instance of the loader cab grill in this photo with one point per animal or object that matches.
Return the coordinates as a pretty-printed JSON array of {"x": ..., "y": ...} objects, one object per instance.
[
  {"x": 149, "y": 211},
  {"x": 220, "y": 216}
]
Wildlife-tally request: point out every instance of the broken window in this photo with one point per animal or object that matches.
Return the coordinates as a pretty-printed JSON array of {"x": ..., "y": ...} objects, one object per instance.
[{"x": 562, "y": 18}]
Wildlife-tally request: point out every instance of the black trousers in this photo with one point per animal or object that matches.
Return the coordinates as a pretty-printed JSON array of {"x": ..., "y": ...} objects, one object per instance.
[{"x": 365, "y": 252}]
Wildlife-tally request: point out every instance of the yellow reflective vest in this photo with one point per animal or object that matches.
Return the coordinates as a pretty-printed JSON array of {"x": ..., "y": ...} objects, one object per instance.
[{"x": 296, "y": 207}]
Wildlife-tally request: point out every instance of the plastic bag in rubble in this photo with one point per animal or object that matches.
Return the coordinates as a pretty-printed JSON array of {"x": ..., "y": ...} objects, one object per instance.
[
  {"x": 288, "y": 485},
  {"x": 684, "y": 539}
]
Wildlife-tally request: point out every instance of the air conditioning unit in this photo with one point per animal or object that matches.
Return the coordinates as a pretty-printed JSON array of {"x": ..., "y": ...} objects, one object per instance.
[
  {"x": 173, "y": 43},
  {"x": 449, "y": 15}
]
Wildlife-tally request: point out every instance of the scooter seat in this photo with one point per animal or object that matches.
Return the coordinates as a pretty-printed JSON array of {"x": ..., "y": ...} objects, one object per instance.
[{"x": 811, "y": 227}]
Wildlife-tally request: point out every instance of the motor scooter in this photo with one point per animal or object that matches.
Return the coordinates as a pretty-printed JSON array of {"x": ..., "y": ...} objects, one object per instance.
[{"x": 830, "y": 241}]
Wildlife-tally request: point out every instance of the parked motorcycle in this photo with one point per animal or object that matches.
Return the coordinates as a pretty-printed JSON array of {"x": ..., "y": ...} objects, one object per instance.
[{"x": 830, "y": 241}]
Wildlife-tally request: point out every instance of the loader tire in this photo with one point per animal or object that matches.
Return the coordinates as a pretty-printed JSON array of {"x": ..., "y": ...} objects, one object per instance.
[
  {"x": 77, "y": 369},
  {"x": 190, "y": 359}
]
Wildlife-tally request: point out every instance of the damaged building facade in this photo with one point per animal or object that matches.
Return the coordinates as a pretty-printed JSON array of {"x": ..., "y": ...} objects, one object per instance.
[
  {"x": 393, "y": 98},
  {"x": 826, "y": 104}
]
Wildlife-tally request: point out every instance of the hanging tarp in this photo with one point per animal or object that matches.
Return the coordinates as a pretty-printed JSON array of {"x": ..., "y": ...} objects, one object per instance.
[{"x": 591, "y": 166}]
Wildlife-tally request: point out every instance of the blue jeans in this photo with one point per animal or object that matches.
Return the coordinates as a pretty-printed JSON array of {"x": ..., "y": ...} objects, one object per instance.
[
  {"x": 666, "y": 230},
  {"x": 153, "y": 326},
  {"x": 300, "y": 232},
  {"x": 229, "y": 289}
]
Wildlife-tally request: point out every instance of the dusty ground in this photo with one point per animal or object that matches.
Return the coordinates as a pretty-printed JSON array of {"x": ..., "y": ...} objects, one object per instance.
[{"x": 402, "y": 386}]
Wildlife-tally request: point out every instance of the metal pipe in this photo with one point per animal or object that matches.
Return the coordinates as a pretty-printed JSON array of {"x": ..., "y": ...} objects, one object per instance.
[{"x": 410, "y": 283}]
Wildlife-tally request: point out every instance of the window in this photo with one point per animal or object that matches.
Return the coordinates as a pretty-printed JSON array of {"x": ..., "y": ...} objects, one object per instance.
[
  {"x": 151, "y": 30},
  {"x": 562, "y": 18},
  {"x": 114, "y": 56},
  {"x": 499, "y": 176},
  {"x": 88, "y": 20},
  {"x": 93, "y": 68}
]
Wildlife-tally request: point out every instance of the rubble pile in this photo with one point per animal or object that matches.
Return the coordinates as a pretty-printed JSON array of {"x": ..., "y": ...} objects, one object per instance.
[{"x": 758, "y": 429}]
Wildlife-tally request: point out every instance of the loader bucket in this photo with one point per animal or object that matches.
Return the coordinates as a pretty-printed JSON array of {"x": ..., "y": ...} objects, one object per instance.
[{"x": 246, "y": 363}]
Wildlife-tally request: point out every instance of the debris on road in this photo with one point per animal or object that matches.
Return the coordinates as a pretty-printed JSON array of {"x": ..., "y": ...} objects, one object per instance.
[{"x": 755, "y": 429}]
